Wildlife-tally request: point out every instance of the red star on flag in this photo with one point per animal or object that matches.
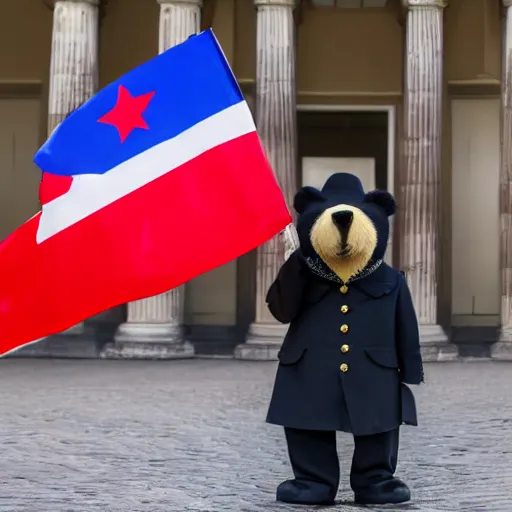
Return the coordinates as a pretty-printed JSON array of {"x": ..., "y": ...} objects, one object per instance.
[{"x": 127, "y": 112}]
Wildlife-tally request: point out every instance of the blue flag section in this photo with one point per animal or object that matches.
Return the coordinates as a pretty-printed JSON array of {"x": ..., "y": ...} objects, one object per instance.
[{"x": 170, "y": 94}]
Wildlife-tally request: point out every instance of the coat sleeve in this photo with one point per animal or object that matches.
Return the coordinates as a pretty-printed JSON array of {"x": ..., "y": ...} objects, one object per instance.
[
  {"x": 408, "y": 338},
  {"x": 284, "y": 297}
]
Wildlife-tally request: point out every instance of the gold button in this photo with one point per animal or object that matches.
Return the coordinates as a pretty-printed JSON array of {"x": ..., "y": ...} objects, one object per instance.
[
  {"x": 344, "y": 289},
  {"x": 344, "y": 328},
  {"x": 344, "y": 309},
  {"x": 344, "y": 367},
  {"x": 345, "y": 348}
]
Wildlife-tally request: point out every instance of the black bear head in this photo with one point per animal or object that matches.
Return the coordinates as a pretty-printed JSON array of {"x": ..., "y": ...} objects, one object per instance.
[{"x": 342, "y": 225}]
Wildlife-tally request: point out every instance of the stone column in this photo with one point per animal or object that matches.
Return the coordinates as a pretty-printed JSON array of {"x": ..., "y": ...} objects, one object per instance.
[
  {"x": 154, "y": 327},
  {"x": 74, "y": 57},
  {"x": 276, "y": 119},
  {"x": 503, "y": 349},
  {"x": 73, "y": 64},
  {"x": 179, "y": 19},
  {"x": 420, "y": 175}
]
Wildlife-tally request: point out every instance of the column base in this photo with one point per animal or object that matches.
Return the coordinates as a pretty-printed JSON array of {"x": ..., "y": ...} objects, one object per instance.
[
  {"x": 435, "y": 346},
  {"x": 502, "y": 350},
  {"x": 61, "y": 346},
  {"x": 263, "y": 342},
  {"x": 148, "y": 341}
]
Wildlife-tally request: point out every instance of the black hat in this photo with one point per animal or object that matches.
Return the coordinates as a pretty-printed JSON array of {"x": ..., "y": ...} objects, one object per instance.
[{"x": 344, "y": 185}]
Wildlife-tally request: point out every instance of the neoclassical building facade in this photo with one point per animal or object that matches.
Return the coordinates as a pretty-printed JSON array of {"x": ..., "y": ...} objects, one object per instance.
[{"x": 414, "y": 96}]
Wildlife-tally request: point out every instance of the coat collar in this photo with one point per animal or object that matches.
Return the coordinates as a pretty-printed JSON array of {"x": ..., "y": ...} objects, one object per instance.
[
  {"x": 381, "y": 282},
  {"x": 320, "y": 269}
]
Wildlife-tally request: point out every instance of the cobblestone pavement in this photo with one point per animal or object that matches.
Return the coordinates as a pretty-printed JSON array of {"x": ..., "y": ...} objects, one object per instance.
[{"x": 127, "y": 436}]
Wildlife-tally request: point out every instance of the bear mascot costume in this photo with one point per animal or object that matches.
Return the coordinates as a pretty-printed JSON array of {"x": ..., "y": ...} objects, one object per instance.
[{"x": 351, "y": 347}]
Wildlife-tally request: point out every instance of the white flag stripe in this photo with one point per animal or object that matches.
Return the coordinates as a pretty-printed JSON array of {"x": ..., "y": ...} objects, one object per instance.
[{"x": 91, "y": 192}]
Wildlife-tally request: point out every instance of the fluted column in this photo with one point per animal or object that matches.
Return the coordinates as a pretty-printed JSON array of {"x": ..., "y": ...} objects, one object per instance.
[
  {"x": 421, "y": 172},
  {"x": 179, "y": 19},
  {"x": 154, "y": 327},
  {"x": 276, "y": 120},
  {"x": 503, "y": 349},
  {"x": 74, "y": 57},
  {"x": 73, "y": 64}
]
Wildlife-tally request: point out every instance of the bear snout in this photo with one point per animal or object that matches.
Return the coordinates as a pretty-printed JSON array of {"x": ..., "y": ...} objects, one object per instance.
[{"x": 343, "y": 219}]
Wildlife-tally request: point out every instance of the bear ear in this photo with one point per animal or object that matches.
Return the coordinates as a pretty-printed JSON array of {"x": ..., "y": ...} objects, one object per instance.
[
  {"x": 383, "y": 199},
  {"x": 305, "y": 196}
]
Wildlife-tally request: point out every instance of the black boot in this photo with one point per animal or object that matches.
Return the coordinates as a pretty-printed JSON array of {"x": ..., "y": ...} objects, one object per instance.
[
  {"x": 373, "y": 468},
  {"x": 315, "y": 465},
  {"x": 382, "y": 493},
  {"x": 305, "y": 493}
]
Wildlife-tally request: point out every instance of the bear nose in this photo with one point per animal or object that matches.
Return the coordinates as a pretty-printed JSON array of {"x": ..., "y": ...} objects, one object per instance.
[{"x": 343, "y": 219}]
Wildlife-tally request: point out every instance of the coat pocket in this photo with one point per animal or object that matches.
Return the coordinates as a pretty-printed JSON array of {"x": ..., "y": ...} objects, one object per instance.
[
  {"x": 291, "y": 354},
  {"x": 385, "y": 357}
]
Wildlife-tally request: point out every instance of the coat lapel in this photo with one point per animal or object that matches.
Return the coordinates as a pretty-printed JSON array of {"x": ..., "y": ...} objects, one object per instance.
[{"x": 381, "y": 282}]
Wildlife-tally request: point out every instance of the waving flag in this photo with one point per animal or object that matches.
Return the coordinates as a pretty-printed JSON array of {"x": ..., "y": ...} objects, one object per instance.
[{"x": 158, "y": 178}]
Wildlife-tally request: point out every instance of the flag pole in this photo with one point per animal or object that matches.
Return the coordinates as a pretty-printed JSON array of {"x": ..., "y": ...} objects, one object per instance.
[{"x": 291, "y": 240}]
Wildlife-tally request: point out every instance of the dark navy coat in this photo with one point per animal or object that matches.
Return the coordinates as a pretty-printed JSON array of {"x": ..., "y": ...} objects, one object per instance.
[{"x": 347, "y": 356}]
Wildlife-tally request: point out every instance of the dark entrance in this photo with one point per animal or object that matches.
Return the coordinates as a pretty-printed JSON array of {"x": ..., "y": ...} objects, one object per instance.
[{"x": 345, "y": 135}]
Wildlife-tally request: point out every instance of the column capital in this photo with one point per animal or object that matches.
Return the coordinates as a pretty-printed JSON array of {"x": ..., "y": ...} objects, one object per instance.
[
  {"x": 195, "y": 3},
  {"x": 92, "y": 2},
  {"x": 507, "y": 3},
  {"x": 276, "y": 3},
  {"x": 429, "y": 4}
]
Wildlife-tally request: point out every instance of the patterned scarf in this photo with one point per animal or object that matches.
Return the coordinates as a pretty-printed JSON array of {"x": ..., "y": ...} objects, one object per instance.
[{"x": 318, "y": 267}]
